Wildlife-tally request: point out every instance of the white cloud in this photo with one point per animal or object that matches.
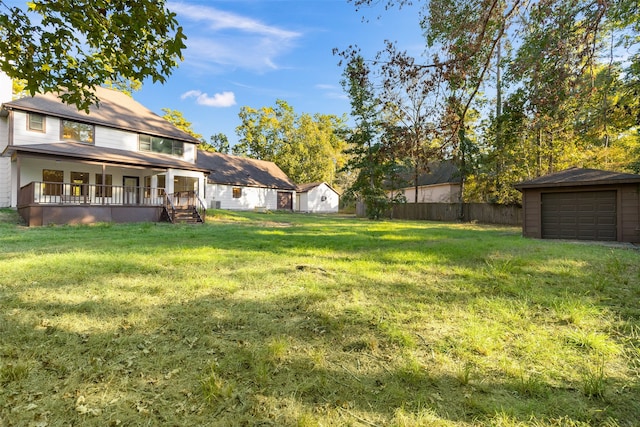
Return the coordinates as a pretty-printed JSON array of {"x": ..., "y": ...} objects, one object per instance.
[
  {"x": 224, "y": 99},
  {"x": 332, "y": 91},
  {"x": 218, "y": 38}
]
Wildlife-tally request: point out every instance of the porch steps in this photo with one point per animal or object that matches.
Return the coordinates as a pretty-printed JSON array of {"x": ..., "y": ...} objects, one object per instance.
[{"x": 185, "y": 216}]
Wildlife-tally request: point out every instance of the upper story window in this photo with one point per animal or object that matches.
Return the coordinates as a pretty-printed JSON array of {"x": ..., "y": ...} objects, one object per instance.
[
  {"x": 76, "y": 131},
  {"x": 161, "y": 145},
  {"x": 36, "y": 122}
]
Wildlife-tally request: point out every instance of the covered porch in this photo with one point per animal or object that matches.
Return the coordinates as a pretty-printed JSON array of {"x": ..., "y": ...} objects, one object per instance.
[
  {"x": 63, "y": 189},
  {"x": 43, "y": 203}
]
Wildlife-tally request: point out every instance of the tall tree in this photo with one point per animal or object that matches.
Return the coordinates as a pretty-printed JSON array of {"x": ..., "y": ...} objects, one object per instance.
[
  {"x": 369, "y": 160},
  {"x": 307, "y": 148},
  {"x": 553, "y": 75},
  {"x": 73, "y": 46},
  {"x": 412, "y": 103}
]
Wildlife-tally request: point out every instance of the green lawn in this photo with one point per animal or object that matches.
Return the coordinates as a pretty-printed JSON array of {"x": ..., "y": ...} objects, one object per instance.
[{"x": 302, "y": 320}]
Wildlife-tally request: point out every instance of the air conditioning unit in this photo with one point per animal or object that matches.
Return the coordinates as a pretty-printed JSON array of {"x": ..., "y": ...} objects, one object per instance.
[{"x": 216, "y": 204}]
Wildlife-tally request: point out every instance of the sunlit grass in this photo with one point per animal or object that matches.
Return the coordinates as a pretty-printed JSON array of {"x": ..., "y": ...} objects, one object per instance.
[{"x": 302, "y": 320}]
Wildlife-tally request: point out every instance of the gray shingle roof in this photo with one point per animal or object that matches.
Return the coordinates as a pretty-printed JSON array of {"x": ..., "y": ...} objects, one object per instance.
[
  {"x": 242, "y": 171},
  {"x": 115, "y": 110},
  {"x": 579, "y": 177},
  {"x": 80, "y": 151},
  {"x": 442, "y": 172}
]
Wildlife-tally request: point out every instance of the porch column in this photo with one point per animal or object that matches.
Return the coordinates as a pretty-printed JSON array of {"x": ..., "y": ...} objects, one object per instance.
[
  {"x": 18, "y": 162},
  {"x": 14, "y": 179},
  {"x": 168, "y": 185},
  {"x": 104, "y": 182},
  {"x": 153, "y": 191}
]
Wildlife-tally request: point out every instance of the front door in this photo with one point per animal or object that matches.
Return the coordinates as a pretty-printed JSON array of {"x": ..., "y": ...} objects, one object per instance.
[{"x": 131, "y": 188}]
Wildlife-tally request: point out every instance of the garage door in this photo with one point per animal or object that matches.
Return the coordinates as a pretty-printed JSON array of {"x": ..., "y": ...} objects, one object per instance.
[{"x": 589, "y": 215}]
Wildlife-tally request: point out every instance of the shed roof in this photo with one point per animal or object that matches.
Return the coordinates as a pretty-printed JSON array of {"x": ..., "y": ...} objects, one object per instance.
[
  {"x": 80, "y": 151},
  {"x": 579, "y": 177},
  {"x": 115, "y": 109},
  {"x": 243, "y": 171},
  {"x": 303, "y": 188}
]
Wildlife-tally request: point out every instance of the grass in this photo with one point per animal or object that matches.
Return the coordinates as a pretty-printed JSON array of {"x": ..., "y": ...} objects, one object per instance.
[{"x": 302, "y": 320}]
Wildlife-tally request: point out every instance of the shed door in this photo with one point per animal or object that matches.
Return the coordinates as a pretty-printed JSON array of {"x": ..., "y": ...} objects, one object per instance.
[
  {"x": 588, "y": 215},
  {"x": 285, "y": 200}
]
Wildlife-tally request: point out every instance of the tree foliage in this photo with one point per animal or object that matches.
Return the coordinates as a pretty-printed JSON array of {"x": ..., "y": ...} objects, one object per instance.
[
  {"x": 176, "y": 118},
  {"x": 307, "y": 148},
  {"x": 370, "y": 161},
  {"x": 218, "y": 142},
  {"x": 570, "y": 89},
  {"x": 73, "y": 46}
]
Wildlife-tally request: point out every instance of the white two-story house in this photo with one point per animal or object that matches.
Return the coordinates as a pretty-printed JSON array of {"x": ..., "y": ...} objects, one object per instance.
[{"x": 118, "y": 163}]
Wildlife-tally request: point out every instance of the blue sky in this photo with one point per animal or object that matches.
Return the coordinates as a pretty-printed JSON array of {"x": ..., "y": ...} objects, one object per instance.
[{"x": 253, "y": 52}]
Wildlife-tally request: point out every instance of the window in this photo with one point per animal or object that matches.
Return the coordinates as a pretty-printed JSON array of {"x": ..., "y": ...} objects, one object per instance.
[
  {"x": 184, "y": 183},
  {"x": 162, "y": 184},
  {"x": 146, "y": 184},
  {"x": 52, "y": 182},
  {"x": 35, "y": 122},
  {"x": 76, "y": 131},
  {"x": 160, "y": 145},
  {"x": 80, "y": 181},
  {"x": 237, "y": 192},
  {"x": 104, "y": 189}
]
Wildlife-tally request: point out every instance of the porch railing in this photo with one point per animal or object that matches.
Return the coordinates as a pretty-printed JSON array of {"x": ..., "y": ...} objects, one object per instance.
[
  {"x": 58, "y": 193},
  {"x": 185, "y": 200}
]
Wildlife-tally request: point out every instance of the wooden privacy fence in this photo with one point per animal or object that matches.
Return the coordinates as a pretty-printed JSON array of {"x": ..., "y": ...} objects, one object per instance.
[{"x": 481, "y": 212}]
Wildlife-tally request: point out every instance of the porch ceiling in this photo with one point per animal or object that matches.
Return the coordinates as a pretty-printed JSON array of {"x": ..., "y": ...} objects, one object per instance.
[{"x": 79, "y": 151}]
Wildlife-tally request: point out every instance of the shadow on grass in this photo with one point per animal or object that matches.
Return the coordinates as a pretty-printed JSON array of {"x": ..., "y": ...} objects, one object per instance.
[
  {"x": 249, "y": 362},
  {"x": 97, "y": 339}
]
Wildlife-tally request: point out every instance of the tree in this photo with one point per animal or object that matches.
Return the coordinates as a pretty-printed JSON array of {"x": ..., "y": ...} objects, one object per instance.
[
  {"x": 176, "y": 118},
  {"x": 73, "y": 46},
  {"x": 412, "y": 102},
  {"x": 125, "y": 86},
  {"x": 307, "y": 148},
  {"x": 220, "y": 143},
  {"x": 564, "y": 105},
  {"x": 369, "y": 160}
]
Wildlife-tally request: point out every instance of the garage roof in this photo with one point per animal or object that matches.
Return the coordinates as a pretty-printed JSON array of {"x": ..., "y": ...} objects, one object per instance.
[
  {"x": 243, "y": 171},
  {"x": 579, "y": 177}
]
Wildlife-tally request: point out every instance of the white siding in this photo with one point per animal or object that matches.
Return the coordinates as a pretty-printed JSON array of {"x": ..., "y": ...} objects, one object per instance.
[
  {"x": 5, "y": 182},
  {"x": 5, "y": 162},
  {"x": 438, "y": 193},
  {"x": 321, "y": 199},
  {"x": 22, "y": 136},
  {"x": 115, "y": 138},
  {"x": 189, "y": 152},
  {"x": 104, "y": 136},
  {"x": 252, "y": 197}
]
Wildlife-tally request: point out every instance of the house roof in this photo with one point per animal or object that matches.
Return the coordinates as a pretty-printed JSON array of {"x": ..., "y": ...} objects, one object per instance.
[
  {"x": 115, "y": 110},
  {"x": 445, "y": 172},
  {"x": 442, "y": 172},
  {"x": 579, "y": 177},
  {"x": 243, "y": 171},
  {"x": 80, "y": 151},
  {"x": 303, "y": 188}
]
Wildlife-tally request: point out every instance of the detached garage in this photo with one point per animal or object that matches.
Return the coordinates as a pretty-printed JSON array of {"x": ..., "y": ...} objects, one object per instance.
[{"x": 582, "y": 204}]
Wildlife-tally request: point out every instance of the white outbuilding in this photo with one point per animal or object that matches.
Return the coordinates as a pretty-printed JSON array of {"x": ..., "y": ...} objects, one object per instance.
[{"x": 317, "y": 197}]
